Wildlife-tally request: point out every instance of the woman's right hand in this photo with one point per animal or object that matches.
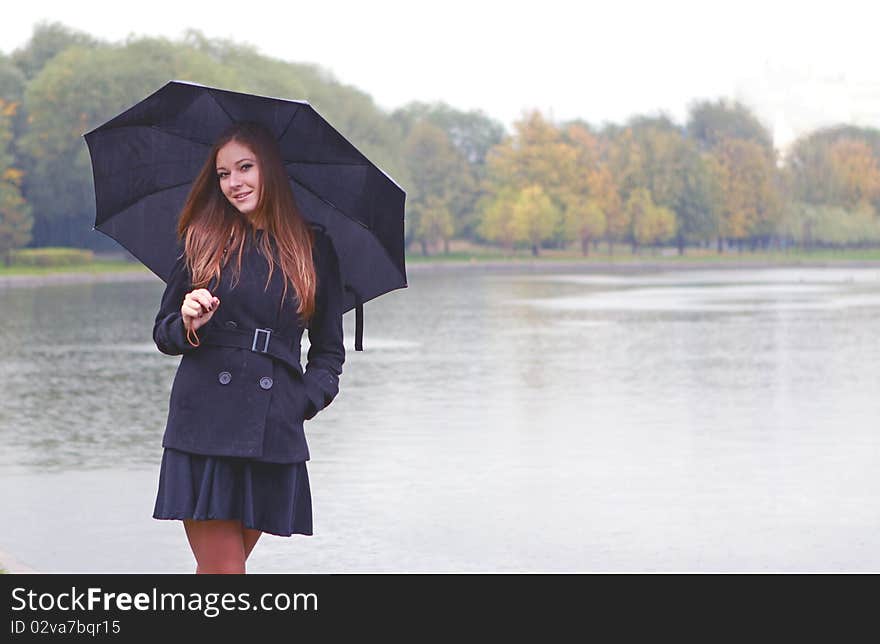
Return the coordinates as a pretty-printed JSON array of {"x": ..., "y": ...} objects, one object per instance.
[{"x": 198, "y": 308}]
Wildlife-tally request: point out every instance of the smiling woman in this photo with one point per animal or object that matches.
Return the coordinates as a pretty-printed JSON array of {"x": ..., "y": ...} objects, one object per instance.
[
  {"x": 276, "y": 229},
  {"x": 239, "y": 178},
  {"x": 234, "y": 464}
]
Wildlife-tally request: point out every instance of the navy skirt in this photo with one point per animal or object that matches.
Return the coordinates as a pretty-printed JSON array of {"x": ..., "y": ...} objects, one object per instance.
[{"x": 270, "y": 497}]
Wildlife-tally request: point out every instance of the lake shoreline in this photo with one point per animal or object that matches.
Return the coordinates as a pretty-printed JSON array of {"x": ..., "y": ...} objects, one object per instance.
[{"x": 81, "y": 277}]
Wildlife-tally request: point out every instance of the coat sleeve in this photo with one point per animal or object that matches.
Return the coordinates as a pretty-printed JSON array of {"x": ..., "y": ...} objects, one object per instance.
[
  {"x": 326, "y": 348},
  {"x": 169, "y": 334}
]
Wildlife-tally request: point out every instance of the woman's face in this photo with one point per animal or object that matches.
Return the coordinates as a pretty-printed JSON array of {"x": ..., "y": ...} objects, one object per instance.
[{"x": 239, "y": 176}]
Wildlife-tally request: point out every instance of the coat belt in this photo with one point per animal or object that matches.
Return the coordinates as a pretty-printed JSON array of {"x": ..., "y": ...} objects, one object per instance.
[{"x": 259, "y": 340}]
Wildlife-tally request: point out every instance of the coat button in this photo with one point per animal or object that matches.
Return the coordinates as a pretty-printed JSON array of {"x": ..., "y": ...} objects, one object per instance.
[
  {"x": 232, "y": 325},
  {"x": 225, "y": 377},
  {"x": 266, "y": 383}
]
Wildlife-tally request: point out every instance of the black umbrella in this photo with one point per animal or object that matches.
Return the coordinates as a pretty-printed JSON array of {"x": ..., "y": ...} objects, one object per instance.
[{"x": 145, "y": 159}]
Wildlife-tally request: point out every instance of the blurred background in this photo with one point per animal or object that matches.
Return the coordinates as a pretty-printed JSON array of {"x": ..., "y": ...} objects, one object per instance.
[
  {"x": 690, "y": 125},
  {"x": 643, "y": 265}
]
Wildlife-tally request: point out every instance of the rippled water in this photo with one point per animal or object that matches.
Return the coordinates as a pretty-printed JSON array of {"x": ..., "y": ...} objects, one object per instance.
[{"x": 496, "y": 421}]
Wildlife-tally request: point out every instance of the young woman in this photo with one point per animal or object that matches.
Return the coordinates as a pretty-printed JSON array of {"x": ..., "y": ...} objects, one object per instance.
[{"x": 251, "y": 277}]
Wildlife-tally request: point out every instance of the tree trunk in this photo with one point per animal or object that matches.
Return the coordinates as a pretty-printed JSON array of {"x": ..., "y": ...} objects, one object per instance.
[
  {"x": 585, "y": 246},
  {"x": 424, "y": 247},
  {"x": 445, "y": 246},
  {"x": 720, "y": 245},
  {"x": 681, "y": 244},
  {"x": 535, "y": 250}
]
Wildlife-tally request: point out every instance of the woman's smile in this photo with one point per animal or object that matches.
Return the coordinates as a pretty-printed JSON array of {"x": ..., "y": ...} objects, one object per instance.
[{"x": 239, "y": 175}]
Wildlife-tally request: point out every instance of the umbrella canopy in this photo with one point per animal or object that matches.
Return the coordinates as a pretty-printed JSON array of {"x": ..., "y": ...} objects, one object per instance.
[{"x": 145, "y": 159}]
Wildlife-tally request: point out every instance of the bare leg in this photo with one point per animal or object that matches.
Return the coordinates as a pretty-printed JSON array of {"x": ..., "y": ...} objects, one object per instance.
[
  {"x": 217, "y": 546},
  {"x": 249, "y": 538}
]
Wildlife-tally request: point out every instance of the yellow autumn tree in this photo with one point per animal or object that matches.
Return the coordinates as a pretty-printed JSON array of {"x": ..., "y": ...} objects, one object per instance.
[
  {"x": 855, "y": 172},
  {"x": 496, "y": 218},
  {"x": 651, "y": 224},
  {"x": 749, "y": 192},
  {"x": 584, "y": 220},
  {"x": 535, "y": 216},
  {"x": 537, "y": 154},
  {"x": 592, "y": 192}
]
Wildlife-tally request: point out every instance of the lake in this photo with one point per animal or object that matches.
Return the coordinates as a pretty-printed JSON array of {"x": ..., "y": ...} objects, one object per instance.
[{"x": 497, "y": 420}]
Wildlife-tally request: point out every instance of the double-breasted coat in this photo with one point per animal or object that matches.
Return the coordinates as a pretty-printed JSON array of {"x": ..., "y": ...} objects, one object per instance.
[{"x": 242, "y": 391}]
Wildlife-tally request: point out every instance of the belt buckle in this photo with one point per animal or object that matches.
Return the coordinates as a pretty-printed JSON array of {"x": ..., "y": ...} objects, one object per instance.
[{"x": 265, "y": 348}]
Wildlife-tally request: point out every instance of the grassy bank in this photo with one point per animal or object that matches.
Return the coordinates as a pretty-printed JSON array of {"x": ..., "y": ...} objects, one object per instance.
[
  {"x": 473, "y": 254},
  {"x": 624, "y": 255},
  {"x": 97, "y": 266}
]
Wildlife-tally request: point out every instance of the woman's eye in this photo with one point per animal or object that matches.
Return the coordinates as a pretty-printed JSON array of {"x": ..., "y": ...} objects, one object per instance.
[
  {"x": 245, "y": 166},
  {"x": 222, "y": 175}
]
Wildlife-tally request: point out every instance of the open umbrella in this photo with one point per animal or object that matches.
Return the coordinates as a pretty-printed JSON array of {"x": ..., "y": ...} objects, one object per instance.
[{"x": 145, "y": 159}]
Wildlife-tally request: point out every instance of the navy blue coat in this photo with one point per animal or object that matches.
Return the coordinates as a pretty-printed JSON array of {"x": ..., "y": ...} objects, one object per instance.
[{"x": 242, "y": 391}]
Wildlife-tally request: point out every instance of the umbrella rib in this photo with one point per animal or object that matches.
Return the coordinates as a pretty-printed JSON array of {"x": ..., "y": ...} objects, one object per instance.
[
  {"x": 350, "y": 218},
  {"x": 162, "y": 130},
  {"x": 179, "y": 136},
  {"x": 330, "y": 203},
  {"x": 289, "y": 123},
  {"x": 129, "y": 204},
  {"x": 351, "y": 163},
  {"x": 214, "y": 98}
]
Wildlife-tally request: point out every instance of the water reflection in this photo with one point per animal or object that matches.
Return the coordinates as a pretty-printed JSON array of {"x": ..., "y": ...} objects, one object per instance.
[{"x": 504, "y": 420}]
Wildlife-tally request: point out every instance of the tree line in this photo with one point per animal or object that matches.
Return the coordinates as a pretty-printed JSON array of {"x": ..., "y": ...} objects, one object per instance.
[{"x": 714, "y": 180}]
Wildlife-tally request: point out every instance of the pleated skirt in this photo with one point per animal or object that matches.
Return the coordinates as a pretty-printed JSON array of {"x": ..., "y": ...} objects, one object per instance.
[{"x": 270, "y": 497}]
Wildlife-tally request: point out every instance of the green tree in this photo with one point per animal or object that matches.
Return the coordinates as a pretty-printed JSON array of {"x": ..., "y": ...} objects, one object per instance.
[
  {"x": 15, "y": 214},
  {"x": 698, "y": 207},
  {"x": 623, "y": 157},
  {"x": 435, "y": 223},
  {"x": 438, "y": 172},
  {"x": 662, "y": 155},
  {"x": 47, "y": 41},
  {"x": 811, "y": 225},
  {"x": 472, "y": 134},
  {"x": 809, "y": 168},
  {"x": 711, "y": 122},
  {"x": 12, "y": 80}
]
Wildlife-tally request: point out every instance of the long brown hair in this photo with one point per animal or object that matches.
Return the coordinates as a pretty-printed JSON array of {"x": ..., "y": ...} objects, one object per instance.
[{"x": 210, "y": 224}]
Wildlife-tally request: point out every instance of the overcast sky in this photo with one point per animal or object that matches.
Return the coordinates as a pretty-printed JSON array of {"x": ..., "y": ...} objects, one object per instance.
[{"x": 799, "y": 65}]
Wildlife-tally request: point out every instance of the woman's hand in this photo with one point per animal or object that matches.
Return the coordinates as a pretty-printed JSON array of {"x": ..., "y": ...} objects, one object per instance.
[{"x": 198, "y": 308}]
